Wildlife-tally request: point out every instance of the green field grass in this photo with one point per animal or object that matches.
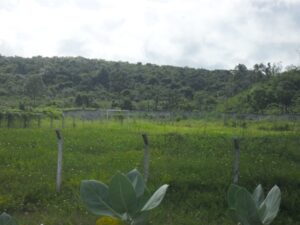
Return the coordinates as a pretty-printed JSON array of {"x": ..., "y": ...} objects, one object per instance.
[{"x": 194, "y": 157}]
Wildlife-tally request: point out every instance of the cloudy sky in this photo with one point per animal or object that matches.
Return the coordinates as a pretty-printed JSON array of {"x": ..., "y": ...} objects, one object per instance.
[{"x": 196, "y": 33}]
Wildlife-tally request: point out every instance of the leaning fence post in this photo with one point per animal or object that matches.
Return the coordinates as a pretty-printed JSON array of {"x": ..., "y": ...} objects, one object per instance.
[
  {"x": 59, "y": 159},
  {"x": 146, "y": 157},
  {"x": 236, "y": 163}
]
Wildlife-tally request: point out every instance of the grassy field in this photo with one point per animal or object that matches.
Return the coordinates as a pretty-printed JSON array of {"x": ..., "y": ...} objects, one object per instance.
[{"x": 194, "y": 157}]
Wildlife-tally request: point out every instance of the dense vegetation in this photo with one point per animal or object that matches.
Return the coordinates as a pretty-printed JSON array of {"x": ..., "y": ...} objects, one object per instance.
[
  {"x": 193, "y": 157},
  {"x": 80, "y": 82}
]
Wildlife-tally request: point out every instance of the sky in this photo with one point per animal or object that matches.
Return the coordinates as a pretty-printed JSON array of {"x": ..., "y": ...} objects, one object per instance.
[{"x": 211, "y": 34}]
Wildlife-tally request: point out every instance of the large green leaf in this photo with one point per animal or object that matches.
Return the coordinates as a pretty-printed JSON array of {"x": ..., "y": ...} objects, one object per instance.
[
  {"x": 231, "y": 195},
  {"x": 156, "y": 198},
  {"x": 122, "y": 196},
  {"x": 262, "y": 210},
  {"x": 246, "y": 208},
  {"x": 141, "y": 218},
  {"x": 6, "y": 219},
  {"x": 258, "y": 195},
  {"x": 142, "y": 200},
  {"x": 137, "y": 181},
  {"x": 240, "y": 219},
  {"x": 272, "y": 203},
  {"x": 95, "y": 196}
]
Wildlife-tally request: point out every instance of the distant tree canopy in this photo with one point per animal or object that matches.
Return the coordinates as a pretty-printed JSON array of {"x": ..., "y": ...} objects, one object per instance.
[
  {"x": 34, "y": 87},
  {"x": 77, "y": 81}
]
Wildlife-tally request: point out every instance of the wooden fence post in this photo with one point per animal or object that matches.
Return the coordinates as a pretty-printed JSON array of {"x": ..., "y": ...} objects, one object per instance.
[
  {"x": 10, "y": 118},
  {"x": 146, "y": 157},
  {"x": 74, "y": 124},
  {"x": 63, "y": 121},
  {"x": 236, "y": 163},
  {"x": 39, "y": 121},
  {"x": 1, "y": 118},
  {"x": 59, "y": 160}
]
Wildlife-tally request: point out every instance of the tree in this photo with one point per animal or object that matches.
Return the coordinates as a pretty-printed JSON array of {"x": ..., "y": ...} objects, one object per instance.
[
  {"x": 259, "y": 99},
  {"x": 102, "y": 77},
  {"x": 187, "y": 92},
  {"x": 285, "y": 91},
  {"x": 126, "y": 104},
  {"x": 204, "y": 101},
  {"x": 241, "y": 69},
  {"x": 83, "y": 100},
  {"x": 34, "y": 87},
  {"x": 240, "y": 79},
  {"x": 273, "y": 69},
  {"x": 259, "y": 72}
]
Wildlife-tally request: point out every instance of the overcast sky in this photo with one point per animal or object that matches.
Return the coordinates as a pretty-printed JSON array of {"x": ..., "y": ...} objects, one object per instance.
[{"x": 196, "y": 33}]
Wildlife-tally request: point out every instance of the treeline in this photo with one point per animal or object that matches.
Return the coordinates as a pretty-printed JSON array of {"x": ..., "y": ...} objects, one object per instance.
[
  {"x": 280, "y": 94},
  {"x": 79, "y": 82}
]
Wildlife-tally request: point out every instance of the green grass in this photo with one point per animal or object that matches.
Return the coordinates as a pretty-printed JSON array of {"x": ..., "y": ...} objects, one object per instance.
[{"x": 194, "y": 157}]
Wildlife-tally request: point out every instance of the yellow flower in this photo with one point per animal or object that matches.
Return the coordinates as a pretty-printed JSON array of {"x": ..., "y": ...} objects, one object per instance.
[{"x": 106, "y": 220}]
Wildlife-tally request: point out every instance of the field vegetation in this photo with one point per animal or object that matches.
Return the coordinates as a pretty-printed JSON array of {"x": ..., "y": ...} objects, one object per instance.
[{"x": 194, "y": 157}]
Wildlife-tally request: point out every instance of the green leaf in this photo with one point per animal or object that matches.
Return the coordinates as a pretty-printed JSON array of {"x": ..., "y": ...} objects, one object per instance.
[
  {"x": 141, "y": 219},
  {"x": 258, "y": 195},
  {"x": 141, "y": 201},
  {"x": 262, "y": 210},
  {"x": 272, "y": 203},
  {"x": 95, "y": 196},
  {"x": 246, "y": 208},
  {"x": 231, "y": 195},
  {"x": 122, "y": 196},
  {"x": 6, "y": 219},
  {"x": 156, "y": 198},
  {"x": 240, "y": 219},
  {"x": 137, "y": 182}
]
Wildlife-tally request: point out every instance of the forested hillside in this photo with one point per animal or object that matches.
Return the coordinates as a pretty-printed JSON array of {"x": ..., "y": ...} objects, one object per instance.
[{"x": 65, "y": 82}]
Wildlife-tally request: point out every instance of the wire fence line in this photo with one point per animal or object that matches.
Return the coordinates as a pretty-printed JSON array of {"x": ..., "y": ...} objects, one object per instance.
[
  {"x": 80, "y": 116},
  {"x": 93, "y": 114}
]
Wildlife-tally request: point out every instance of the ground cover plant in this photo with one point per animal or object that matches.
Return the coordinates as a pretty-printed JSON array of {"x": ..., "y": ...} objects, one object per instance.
[
  {"x": 126, "y": 200},
  {"x": 6, "y": 219},
  {"x": 253, "y": 209},
  {"x": 193, "y": 157}
]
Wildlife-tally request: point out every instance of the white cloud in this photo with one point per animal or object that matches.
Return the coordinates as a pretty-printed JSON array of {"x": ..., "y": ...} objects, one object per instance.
[{"x": 206, "y": 33}]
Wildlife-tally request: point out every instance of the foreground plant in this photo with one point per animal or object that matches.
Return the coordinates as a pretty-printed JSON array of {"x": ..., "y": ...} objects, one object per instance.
[
  {"x": 6, "y": 219},
  {"x": 125, "y": 201},
  {"x": 254, "y": 209}
]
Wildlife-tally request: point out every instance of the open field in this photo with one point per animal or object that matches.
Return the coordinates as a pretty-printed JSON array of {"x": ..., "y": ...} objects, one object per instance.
[{"x": 194, "y": 157}]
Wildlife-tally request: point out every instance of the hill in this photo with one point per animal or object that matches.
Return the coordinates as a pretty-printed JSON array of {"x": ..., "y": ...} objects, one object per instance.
[{"x": 64, "y": 82}]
